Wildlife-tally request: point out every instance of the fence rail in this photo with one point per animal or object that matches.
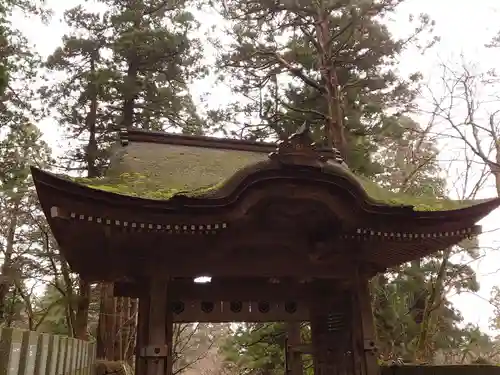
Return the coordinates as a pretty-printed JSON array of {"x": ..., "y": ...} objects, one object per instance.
[{"x": 31, "y": 353}]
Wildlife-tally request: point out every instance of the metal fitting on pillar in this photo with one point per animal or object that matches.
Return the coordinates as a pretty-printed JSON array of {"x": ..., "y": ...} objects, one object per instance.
[
  {"x": 154, "y": 351},
  {"x": 370, "y": 346}
]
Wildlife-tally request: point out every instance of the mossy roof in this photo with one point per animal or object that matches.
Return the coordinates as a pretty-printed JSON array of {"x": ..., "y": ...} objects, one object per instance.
[{"x": 160, "y": 171}]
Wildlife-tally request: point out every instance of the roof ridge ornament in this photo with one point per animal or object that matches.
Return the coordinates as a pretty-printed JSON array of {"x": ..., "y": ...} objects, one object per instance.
[{"x": 300, "y": 149}]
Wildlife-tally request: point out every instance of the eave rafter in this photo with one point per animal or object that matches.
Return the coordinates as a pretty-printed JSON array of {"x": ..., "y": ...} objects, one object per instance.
[
  {"x": 297, "y": 203},
  {"x": 362, "y": 234}
]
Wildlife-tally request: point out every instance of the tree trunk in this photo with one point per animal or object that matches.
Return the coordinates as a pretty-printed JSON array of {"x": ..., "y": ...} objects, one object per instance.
[
  {"x": 130, "y": 89},
  {"x": 91, "y": 122},
  {"x": 84, "y": 287},
  {"x": 130, "y": 94},
  {"x": 334, "y": 130},
  {"x": 424, "y": 352},
  {"x": 7, "y": 270},
  {"x": 106, "y": 326},
  {"x": 82, "y": 310},
  {"x": 69, "y": 293}
]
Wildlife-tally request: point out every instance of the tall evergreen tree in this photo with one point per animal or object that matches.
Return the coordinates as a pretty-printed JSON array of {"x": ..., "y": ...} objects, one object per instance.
[
  {"x": 16, "y": 56},
  {"x": 330, "y": 63},
  {"x": 80, "y": 101},
  {"x": 20, "y": 147},
  {"x": 155, "y": 57},
  {"x": 335, "y": 66},
  {"x": 127, "y": 66}
]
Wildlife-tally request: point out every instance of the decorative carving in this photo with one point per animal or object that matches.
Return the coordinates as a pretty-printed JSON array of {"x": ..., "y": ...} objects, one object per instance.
[
  {"x": 299, "y": 149},
  {"x": 223, "y": 311},
  {"x": 287, "y": 214}
]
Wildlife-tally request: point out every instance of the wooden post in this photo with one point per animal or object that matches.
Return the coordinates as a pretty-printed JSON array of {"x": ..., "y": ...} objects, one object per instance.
[
  {"x": 142, "y": 334},
  {"x": 332, "y": 334},
  {"x": 169, "y": 332},
  {"x": 106, "y": 326},
  {"x": 343, "y": 336},
  {"x": 293, "y": 353},
  {"x": 366, "y": 329},
  {"x": 153, "y": 351}
]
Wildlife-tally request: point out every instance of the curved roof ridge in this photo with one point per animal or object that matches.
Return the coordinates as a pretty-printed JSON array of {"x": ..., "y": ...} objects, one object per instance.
[{"x": 136, "y": 135}]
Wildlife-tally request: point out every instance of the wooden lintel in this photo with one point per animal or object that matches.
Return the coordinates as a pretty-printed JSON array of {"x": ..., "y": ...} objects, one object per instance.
[
  {"x": 254, "y": 264},
  {"x": 225, "y": 291},
  {"x": 226, "y": 312}
]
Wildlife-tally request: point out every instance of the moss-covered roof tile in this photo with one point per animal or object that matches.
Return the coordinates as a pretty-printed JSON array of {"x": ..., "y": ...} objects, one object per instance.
[{"x": 159, "y": 171}]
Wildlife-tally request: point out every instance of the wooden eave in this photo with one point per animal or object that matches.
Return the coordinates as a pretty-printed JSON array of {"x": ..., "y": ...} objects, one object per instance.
[
  {"x": 89, "y": 223},
  {"x": 300, "y": 213},
  {"x": 223, "y": 201}
]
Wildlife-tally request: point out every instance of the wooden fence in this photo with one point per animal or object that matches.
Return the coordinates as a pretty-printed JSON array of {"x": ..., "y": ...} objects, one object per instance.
[
  {"x": 32, "y": 353},
  {"x": 442, "y": 370}
]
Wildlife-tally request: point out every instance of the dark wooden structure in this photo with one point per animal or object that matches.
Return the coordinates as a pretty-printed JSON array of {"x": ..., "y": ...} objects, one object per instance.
[{"x": 286, "y": 232}]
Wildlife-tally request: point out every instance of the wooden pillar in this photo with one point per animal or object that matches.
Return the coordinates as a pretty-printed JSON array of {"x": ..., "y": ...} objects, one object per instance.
[
  {"x": 294, "y": 364},
  {"x": 332, "y": 336},
  {"x": 142, "y": 334},
  {"x": 169, "y": 335},
  {"x": 106, "y": 326},
  {"x": 153, "y": 351},
  {"x": 119, "y": 318},
  {"x": 342, "y": 331},
  {"x": 367, "y": 326}
]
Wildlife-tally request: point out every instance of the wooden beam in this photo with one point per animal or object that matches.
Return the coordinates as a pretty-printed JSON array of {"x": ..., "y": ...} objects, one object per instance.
[
  {"x": 225, "y": 290},
  {"x": 155, "y": 351},
  {"x": 272, "y": 263},
  {"x": 294, "y": 365},
  {"x": 225, "y": 312},
  {"x": 251, "y": 265},
  {"x": 363, "y": 308},
  {"x": 240, "y": 300}
]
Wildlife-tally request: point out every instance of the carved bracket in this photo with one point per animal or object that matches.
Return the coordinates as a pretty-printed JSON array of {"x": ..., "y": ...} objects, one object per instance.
[{"x": 299, "y": 149}]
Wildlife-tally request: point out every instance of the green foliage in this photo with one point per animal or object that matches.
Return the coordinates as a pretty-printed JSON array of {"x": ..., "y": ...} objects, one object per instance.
[
  {"x": 14, "y": 54},
  {"x": 257, "y": 348},
  {"x": 19, "y": 67},
  {"x": 274, "y": 67},
  {"x": 52, "y": 310},
  {"x": 160, "y": 58},
  {"x": 125, "y": 67},
  {"x": 399, "y": 301},
  {"x": 20, "y": 243},
  {"x": 75, "y": 101},
  {"x": 495, "y": 302}
]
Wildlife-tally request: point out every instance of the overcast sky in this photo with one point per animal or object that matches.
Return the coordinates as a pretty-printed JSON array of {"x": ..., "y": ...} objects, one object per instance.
[{"x": 464, "y": 27}]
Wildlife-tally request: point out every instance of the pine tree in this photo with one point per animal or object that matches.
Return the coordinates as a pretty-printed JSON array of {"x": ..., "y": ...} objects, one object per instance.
[
  {"x": 332, "y": 64},
  {"x": 128, "y": 66},
  {"x": 155, "y": 58},
  {"x": 20, "y": 147}
]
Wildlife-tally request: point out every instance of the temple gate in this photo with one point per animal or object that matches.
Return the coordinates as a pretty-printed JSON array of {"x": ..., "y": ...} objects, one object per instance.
[{"x": 286, "y": 232}]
